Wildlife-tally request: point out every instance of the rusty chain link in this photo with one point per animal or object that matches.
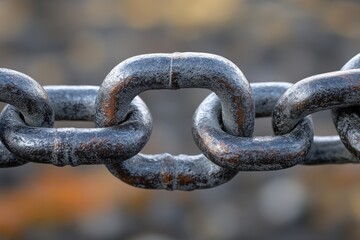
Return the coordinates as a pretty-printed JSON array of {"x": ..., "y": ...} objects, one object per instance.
[
  {"x": 222, "y": 125},
  {"x": 69, "y": 146}
]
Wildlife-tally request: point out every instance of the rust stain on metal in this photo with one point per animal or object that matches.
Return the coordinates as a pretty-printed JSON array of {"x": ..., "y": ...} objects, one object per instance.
[
  {"x": 222, "y": 125},
  {"x": 109, "y": 107},
  {"x": 167, "y": 172},
  {"x": 184, "y": 179}
]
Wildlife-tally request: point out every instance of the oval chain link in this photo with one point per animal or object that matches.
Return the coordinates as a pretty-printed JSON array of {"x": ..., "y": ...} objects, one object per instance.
[
  {"x": 318, "y": 93},
  {"x": 175, "y": 71},
  {"x": 256, "y": 153},
  {"x": 32, "y": 102},
  {"x": 76, "y": 146}
]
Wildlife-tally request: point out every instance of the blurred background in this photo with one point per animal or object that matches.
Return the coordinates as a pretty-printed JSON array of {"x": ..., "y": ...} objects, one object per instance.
[{"x": 80, "y": 41}]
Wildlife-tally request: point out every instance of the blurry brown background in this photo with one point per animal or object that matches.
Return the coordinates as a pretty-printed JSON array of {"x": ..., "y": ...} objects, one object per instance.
[{"x": 80, "y": 41}]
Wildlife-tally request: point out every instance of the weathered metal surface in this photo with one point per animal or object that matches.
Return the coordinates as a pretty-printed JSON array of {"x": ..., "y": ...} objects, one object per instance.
[
  {"x": 28, "y": 96},
  {"x": 32, "y": 101},
  {"x": 165, "y": 171},
  {"x": 7, "y": 159},
  {"x": 71, "y": 146},
  {"x": 73, "y": 102},
  {"x": 266, "y": 95},
  {"x": 313, "y": 94},
  {"x": 174, "y": 71},
  {"x": 251, "y": 153},
  {"x": 222, "y": 125},
  {"x": 347, "y": 120},
  {"x": 328, "y": 150}
]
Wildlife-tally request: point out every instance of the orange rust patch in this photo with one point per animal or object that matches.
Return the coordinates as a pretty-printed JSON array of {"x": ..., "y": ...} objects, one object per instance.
[
  {"x": 167, "y": 172},
  {"x": 184, "y": 179},
  {"x": 167, "y": 179},
  {"x": 101, "y": 146},
  {"x": 240, "y": 120},
  {"x": 110, "y": 105},
  {"x": 240, "y": 113}
]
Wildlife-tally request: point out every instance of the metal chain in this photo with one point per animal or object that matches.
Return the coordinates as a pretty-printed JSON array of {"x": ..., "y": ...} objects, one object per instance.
[{"x": 222, "y": 125}]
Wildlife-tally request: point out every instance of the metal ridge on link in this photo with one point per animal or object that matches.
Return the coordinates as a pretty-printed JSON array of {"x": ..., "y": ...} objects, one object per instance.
[{"x": 222, "y": 125}]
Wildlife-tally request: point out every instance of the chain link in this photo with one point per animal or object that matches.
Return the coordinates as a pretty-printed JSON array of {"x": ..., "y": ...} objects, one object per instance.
[
  {"x": 222, "y": 125},
  {"x": 31, "y": 100},
  {"x": 69, "y": 146},
  {"x": 251, "y": 153},
  {"x": 347, "y": 119}
]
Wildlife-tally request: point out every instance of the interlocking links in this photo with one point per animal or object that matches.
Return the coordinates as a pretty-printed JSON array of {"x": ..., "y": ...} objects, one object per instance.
[
  {"x": 347, "y": 120},
  {"x": 72, "y": 146},
  {"x": 222, "y": 125},
  {"x": 174, "y": 71},
  {"x": 32, "y": 101},
  {"x": 251, "y": 153},
  {"x": 313, "y": 94}
]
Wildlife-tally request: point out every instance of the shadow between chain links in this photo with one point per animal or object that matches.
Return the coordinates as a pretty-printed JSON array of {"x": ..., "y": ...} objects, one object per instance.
[{"x": 174, "y": 71}]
